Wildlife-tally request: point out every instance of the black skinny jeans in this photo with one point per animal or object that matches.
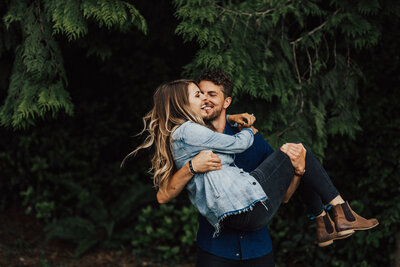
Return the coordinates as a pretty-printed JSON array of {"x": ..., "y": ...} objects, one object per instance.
[{"x": 275, "y": 174}]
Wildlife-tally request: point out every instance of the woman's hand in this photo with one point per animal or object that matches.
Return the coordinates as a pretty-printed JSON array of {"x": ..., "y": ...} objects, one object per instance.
[
  {"x": 244, "y": 120},
  {"x": 206, "y": 161},
  {"x": 297, "y": 155},
  {"x": 254, "y": 129}
]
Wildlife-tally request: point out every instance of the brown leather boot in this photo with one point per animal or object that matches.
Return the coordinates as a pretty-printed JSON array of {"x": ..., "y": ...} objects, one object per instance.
[
  {"x": 346, "y": 219},
  {"x": 326, "y": 231}
]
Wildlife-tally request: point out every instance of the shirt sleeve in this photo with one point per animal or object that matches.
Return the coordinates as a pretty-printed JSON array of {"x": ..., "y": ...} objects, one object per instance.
[{"x": 197, "y": 135}]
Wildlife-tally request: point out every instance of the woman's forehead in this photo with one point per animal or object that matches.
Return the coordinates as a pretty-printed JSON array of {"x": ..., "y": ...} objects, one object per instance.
[{"x": 193, "y": 88}]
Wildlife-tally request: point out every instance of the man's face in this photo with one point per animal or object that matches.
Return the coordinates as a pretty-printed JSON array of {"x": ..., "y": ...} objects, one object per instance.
[{"x": 216, "y": 101}]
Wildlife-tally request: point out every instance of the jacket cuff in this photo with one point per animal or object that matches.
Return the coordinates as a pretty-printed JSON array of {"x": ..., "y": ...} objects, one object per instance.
[{"x": 248, "y": 129}]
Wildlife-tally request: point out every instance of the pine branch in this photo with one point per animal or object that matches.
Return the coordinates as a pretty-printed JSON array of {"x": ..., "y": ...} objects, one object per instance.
[
  {"x": 310, "y": 65},
  {"x": 315, "y": 29}
]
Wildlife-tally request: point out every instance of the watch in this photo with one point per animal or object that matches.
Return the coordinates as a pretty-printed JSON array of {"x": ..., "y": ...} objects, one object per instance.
[{"x": 191, "y": 168}]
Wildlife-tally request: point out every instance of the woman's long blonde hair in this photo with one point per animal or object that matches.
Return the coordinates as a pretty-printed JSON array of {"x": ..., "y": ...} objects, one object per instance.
[{"x": 171, "y": 109}]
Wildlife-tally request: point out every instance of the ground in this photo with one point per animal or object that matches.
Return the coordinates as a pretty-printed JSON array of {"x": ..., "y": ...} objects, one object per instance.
[{"x": 22, "y": 243}]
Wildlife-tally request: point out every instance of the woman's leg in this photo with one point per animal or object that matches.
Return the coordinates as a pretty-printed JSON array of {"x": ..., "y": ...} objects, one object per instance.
[
  {"x": 316, "y": 179},
  {"x": 314, "y": 191},
  {"x": 310, "y": 198},
  {"x": 275, "y": 175}
]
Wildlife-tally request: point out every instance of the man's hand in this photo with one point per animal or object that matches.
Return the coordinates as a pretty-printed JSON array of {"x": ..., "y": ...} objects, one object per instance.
[
  {"x": 206, "y": 161},
  {"x": 297, "y": 155},
  {"x": 244, "y": 120}
]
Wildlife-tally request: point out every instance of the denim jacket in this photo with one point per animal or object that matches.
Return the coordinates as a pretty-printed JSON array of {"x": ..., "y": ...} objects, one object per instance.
[{"x": 217, "y": 194}]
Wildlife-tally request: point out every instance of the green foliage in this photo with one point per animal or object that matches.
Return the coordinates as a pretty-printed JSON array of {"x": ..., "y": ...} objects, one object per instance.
[
  {"x": 44, "y": 209},
  {"x": 70, "y": 17},
  {"x": 166, "y": 231},
  {"x": 363, "y": 169},
  {"x": 66, "y": 171},
  {"x": 299, "y": 67},
  {"x": 286, "y": 55},
  {"x": 44, "y": 263},
  {"x": 75, "y": 229},
  {"x": 100, "y": 226},
  {"x": 38, "y": 78},
  {"x": 80, "y": 199},
  {"x": 38, "y": 82}
]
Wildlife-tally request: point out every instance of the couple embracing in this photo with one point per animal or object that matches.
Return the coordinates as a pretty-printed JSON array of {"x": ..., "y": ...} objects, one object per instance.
[{"x": 234, "y": 178}]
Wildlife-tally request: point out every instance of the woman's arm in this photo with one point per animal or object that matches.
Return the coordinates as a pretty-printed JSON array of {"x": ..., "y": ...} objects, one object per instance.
[
  {"x": 205, "y": 161},
  {"x": 197, "y": 135},
  {"x": 242, "y": 120}
]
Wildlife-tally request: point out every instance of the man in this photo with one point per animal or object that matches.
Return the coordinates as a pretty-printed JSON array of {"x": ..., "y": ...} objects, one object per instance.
[{"x": 231, "y": 247}]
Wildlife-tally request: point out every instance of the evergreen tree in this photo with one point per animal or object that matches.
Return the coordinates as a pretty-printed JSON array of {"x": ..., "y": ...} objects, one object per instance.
[
  {"x": 66, "y": 172},
  {"x": 38, "y": 82},
  {"x": 293, "y": 58}
]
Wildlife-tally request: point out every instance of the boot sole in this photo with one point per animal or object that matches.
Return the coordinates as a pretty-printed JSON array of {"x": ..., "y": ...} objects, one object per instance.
[
  {"x": 344, "y": 236},
  {"x": 366, "y": 228},
  {"x": 359, "y": 229},
  {"x": 326, "y": 243},
  {"x": 345, "y": 233}
]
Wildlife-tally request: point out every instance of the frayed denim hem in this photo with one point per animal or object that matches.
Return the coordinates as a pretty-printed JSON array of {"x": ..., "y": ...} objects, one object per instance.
[{"x": 217, "y": 226}]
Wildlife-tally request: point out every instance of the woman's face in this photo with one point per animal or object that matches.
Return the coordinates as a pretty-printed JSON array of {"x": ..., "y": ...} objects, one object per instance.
[{"x": 197, "y": 100}]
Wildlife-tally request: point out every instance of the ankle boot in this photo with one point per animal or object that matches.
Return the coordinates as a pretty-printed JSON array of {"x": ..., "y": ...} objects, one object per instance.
[
  {"x": 326, "y": 231},
  {"x": 346, "y": 219}
]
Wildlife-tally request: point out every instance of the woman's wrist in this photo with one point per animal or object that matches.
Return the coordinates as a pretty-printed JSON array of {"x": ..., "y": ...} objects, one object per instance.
[{"x": 191, "y": 169}]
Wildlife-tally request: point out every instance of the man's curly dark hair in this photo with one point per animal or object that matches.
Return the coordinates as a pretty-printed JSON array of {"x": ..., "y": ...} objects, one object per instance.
[{"x": 218, "y": 77}]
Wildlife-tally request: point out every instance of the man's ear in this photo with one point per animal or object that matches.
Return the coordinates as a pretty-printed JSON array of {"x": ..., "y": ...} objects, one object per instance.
[{"x": 227, "y": 102}]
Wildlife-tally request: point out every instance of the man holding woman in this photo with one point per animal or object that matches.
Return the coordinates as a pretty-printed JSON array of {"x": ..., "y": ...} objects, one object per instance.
[
  {"x": 178, "y": 112},
  {"x": 232, "y": 247}
]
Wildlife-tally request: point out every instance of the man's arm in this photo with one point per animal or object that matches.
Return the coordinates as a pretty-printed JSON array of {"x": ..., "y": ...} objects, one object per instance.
[{"x": 205, "y": 161}]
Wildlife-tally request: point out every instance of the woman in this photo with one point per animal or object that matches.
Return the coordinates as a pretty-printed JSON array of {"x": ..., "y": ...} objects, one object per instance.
[{"x": 231, "y": 196}]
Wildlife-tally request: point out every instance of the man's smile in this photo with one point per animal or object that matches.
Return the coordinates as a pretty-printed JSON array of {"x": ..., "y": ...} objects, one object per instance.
[{"x": 206, "y": 107}]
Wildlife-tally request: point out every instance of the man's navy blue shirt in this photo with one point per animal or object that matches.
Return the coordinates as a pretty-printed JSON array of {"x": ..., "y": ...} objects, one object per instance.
[{"x": 233, "y": 244}]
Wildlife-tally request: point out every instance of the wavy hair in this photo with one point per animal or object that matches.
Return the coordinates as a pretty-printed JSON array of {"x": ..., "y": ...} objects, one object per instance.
[{"x": 171, "y": 109}]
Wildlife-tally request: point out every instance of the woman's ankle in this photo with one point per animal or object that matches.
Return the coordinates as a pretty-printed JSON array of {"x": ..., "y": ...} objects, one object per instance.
[
  {"x": 337, "y": 200},
  {"x": 323, "y": 213}
]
